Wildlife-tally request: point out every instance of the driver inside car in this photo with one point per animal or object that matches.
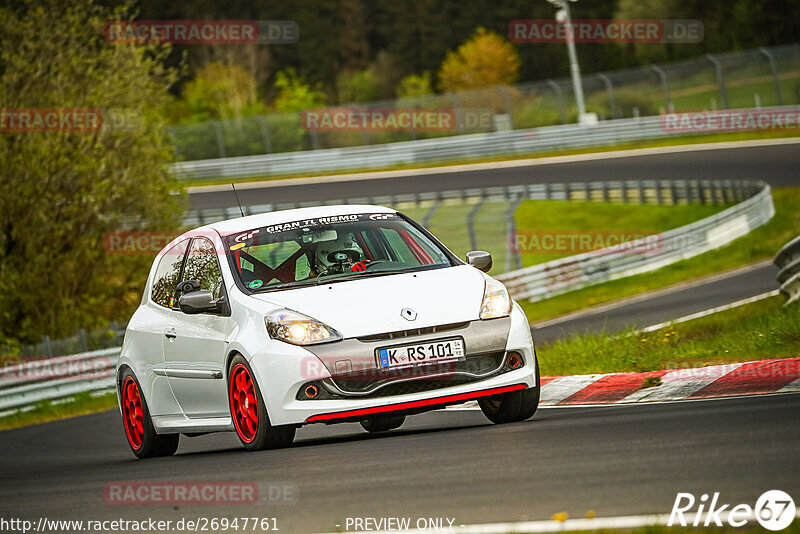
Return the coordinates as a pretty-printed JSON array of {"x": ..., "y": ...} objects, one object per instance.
[{"x": 339, "y": 256}]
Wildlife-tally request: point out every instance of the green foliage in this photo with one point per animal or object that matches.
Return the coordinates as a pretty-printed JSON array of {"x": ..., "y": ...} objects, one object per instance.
[
  {"x": 485, "y": 59},
  {"x": 63, "y": 191},
  {"x": 294, "y": 94},
  {"x": 221, "y": 91},
  {"x": 357, "y": 86},
  {"x": 415, "y": 85}
]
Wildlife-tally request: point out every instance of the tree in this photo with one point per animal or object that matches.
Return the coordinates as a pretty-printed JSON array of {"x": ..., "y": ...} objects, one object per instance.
[
  {"x": 64, "y": 190},
  {"x": 294, "y": 94},
  {"x": 221, "y": 91},
  {"x": 485, "y": 59},
  {"x": 415, "y": 85}
]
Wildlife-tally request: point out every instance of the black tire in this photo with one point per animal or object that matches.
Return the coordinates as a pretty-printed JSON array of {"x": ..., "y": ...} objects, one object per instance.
[
  {"x": 258, "y": 434},
  {"x": 142, "y": 437},
  {"x": 382, "y": 423},
  {"x": 514, "y": 406}
]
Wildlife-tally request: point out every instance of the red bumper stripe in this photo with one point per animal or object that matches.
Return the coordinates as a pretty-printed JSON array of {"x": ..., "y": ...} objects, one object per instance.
[{"x": 415, "y": 404}]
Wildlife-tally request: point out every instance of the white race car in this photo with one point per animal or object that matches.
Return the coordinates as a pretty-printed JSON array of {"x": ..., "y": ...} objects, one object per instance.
[{"x": 262, "y": 324}]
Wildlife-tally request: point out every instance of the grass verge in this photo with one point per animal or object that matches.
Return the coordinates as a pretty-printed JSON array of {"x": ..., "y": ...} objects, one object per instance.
[
  {"x": 760, "y": 330},
  {"x": 762, "y": 243},
  {"x": 653, "y": 143},
  {"x": 79, "y": 404}
]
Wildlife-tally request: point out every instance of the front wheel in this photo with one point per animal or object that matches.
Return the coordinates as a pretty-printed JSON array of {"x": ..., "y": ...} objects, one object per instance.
[
  {"x": 249, "y": 413},
  {"x": 513, "y": 406},
  {"x": 143, "y": 439}
]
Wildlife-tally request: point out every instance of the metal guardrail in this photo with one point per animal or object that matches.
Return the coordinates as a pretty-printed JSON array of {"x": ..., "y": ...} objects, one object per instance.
[
  {"x": 512, "y": 142},
  {"x": 788, "y": 260},
  {"x": 28, "y": 382},
  {"x": 574, "y": 272}
]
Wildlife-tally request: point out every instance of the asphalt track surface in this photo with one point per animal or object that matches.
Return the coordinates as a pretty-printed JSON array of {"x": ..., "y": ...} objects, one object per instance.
[
  {"x": 778, "y": 165},
  {"x": 667, "y": 305},
  {"x": 616, "y": 460}
]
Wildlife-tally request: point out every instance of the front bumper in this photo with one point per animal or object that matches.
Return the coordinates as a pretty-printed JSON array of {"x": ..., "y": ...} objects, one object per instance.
[{"x": 281, "y": 376}]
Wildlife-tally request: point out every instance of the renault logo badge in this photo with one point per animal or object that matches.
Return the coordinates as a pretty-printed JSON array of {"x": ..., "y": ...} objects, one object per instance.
[{"x": 408, "y": 314}]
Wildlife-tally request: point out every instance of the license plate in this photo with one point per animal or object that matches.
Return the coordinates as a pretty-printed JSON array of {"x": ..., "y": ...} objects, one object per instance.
[{"x": 442, "y": 350}]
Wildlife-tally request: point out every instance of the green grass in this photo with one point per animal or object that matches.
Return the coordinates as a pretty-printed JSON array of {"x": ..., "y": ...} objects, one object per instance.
[
  {"x": 762, "y": 243},
  {"x": 671, "y": 141},
  {"x": 79, "y": 404},
  {"x": 537, "y": 220},
  {"x": 760, "y": 330}
]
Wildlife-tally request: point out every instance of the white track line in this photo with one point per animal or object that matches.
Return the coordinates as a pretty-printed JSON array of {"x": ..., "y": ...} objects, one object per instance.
[
  {"x": 710, "y": 311},
  {"x": 619, "y": 522},
  {"x": 553, "y": 160},
  {"x": 600, "y": 308}
]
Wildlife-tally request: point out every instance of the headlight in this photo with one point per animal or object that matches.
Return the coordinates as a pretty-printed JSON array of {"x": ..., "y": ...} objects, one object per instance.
[
  {"x": 496, "y": 302},
  {"x": 299, "y": 329}
]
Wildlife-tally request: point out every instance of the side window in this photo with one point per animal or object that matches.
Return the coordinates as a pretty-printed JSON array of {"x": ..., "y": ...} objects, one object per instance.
[
  {"x": 202, "y": 265},
  {"x": 168, "y": 274}
]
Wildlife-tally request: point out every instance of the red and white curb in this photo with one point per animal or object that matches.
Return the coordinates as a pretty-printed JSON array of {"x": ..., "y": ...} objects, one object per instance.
[{"x": 713, "y": 381}]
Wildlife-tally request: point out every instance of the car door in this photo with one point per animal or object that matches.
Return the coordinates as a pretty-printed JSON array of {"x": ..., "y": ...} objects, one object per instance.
[
  {"x": 151, "y": 321},
  {"x": 195, "y": 345}
]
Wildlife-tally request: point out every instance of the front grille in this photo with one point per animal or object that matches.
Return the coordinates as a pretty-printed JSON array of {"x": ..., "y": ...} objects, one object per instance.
[
  {"x": 413, "y": 332},
  {"x": 381, "y": 383}
]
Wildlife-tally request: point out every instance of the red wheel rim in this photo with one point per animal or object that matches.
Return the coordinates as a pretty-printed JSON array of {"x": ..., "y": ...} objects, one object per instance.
[
  {"x": 132, "y": 413},
  {"x": 244, "y": 406}
]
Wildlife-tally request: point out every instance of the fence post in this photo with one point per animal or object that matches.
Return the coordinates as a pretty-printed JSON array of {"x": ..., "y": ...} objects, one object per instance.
[
  {"x": 664, "y": 86},
  {"x": 506, "y": 103},
  {"x": 84, "y": 344},
  {"x": 610, "y": 90},
  {"x": 220, "y": 140},
  {"x": 426, "y": 221},
  {"x": 513, "y": 259},
  {"x": 48, "y": 349},
  {"x": 265, "y": 134},
  {"x": 456, "y": 107},
  {"x": 723, "y": 93},
  {"x": 473, "y": 240},
  {"x": 774, "y": 69},
  {"x": 560, "y": 96}
]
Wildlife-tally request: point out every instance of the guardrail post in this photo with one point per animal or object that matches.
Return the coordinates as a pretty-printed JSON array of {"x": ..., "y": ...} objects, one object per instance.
[
  {"x": 265, "y": 134},
  {"x": 606, "y": 197},
  {"x": 723, "y": 93},
  {"x": 512, "y": 251},
  {"x": 774, "y": 69},
  {"x": 473, "y": 239},
  {"x": 664, "y": 86},
  {"x": 673, "y": 193},
  {"x": 659, "y": 193},
  {"x": 456, "y": 108},
  {"x": 640, "y": 187},
  {"x": 612, "y": 105},
  {"x": 560, "y": 97}
]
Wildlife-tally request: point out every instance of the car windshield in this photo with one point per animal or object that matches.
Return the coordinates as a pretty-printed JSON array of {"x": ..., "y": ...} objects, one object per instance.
[{"x": 331, "y": 249}]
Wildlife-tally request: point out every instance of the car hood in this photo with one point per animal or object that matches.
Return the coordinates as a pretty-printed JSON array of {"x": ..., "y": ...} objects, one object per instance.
[{"x": 372, "y": 306}]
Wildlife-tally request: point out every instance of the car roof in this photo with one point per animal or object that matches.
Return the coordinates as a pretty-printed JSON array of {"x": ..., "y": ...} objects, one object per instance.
[{"x": 242, "y": 224}]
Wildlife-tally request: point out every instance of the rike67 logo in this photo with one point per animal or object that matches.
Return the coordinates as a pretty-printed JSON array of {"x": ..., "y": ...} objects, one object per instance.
[{"x": 774, "y": 510}]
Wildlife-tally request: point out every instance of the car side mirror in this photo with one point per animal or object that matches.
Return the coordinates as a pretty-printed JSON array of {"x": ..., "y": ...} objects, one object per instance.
[
  {"x": 480, "y": 259},
  {"x": 201, "y": 301}
]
